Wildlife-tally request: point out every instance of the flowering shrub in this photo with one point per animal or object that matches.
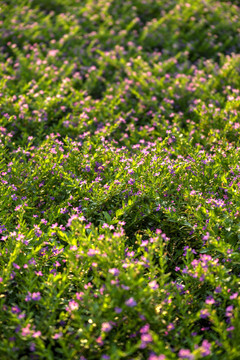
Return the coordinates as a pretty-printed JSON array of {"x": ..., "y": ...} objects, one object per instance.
[{"x": 119, "y": 180}]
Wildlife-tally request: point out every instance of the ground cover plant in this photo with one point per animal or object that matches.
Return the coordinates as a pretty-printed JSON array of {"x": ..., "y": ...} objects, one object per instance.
[{"x": 119, "y": 179}]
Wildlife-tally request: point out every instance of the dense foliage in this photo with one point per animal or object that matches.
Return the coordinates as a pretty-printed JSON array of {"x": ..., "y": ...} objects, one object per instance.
[{"x": 119, "y": 179}]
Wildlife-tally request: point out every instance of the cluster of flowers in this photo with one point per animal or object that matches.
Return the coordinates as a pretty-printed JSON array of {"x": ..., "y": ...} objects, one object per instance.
[{"x": 119, "y": 180}]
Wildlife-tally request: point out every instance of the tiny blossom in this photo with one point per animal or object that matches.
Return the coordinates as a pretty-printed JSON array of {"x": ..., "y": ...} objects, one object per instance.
[
  {"x": 157, "y": 357},
  {"x": 99, "y": 341},
  {"x": 79, "y": 296},
  {"x": 114, "y": 271},
  {"x": 36, "y": 296},
  {"x": 205, "y": 348},
  {"x": 229, "y": 311},
  {"x": 116, "y": 121},
  {"x": 32, "y": 347},
  {"x": 15, "y": 310},
  {"x": 204, "y": 314},
  {"x": 131, "y": 302},
  {"x": 92, "y": 252},
  {"x": 234, "y": 296},
  {"x": 16, "y": 266},
  {"x": 57, "y": 335},
  {"x": 147, "y": 338},
  {"x": 106, "y": 327},
  {"x": 185, "y": 354},
  {"x": 206, "y": 237},
  {"x": 153, "y": 285},
  {"x": 72, "y": 306},
  {"x": 118, "y": 310},
  {"x": 170, "y": 327},
  {"x": 145, "y": 329},
  {"x": 38, "y": 273},
  {"x": 36, "y": 334},
  {"x": 210, "y": 300},
  {"x": 28, "y": 297},
  {"x": 26, "y": 331}
]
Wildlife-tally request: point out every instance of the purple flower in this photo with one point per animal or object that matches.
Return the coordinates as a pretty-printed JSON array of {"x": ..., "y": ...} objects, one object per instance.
[
  {"x": 145, "y": 329},
  {"x": 185, "y": 354},
  {"x": 234, "y": 296},
  {"x": 210, "y": 300},
  {"x": 131, "y": 302},
  {"x": 170, "y": 327},
  {"x": 28, "y": 297},
  {"x": 16, "y": 266},
  {"x": 79, "y": 295},
  {"x": 204, "y": 314},
  {"x": 114, "y": 271},
  {"x": 131, "y": 181},
  {"x": 153, "y": 285},
  {"x": 205, "y": 348},
  {"x": 146, "y": 338},
  {"x": 157, "y": 357},
  {"x": 92, "y": 252},
  {"x": 117, "y": 310},
  {"x": 38, "y": 273},
  {"x": 106, "y": 327},
  {"x": 32, "y": 347},
  {"x": 206, "y": 237},
  {"x": 229, "y": 310},
  {"x": 15, "y": 310},
  {"x": 36, "y": 296}
]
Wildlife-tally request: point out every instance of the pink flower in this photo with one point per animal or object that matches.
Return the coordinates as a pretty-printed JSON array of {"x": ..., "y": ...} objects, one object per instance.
[
  {"x": 204, "y": 314},
  {"x": 114, "y": 271},
  {"x": 53, "y": 52},
  {"x": 170, "y": 327},
  {"x": 99, "y": 341},
  {"x": 185, "y": 354},
  {"x": 131, "y": 302},
  {"x": 147, "y": 338},
  {"x": 205, "y": 348},
  {"x": 157, "y": 357},
  {"x": 106, "y": 327},
  {"x": 229, "y": 311},
  {"x": 79, "y": 296},
  {"x": 72, "y": 306},
  {"x": 153, "y": 285},
  {"x": 57, "y": 335},
  {"x": 37, "y": 334},
  {"x": 210, "y": 301},
  {"x": 36, "y": 296},
  {"x": 26, "y": 331},
  {"x": 234, "y": 296},
  {"x": 28, "y": 297}
]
